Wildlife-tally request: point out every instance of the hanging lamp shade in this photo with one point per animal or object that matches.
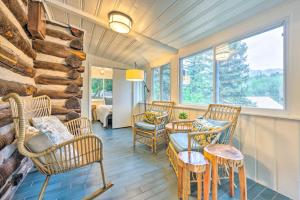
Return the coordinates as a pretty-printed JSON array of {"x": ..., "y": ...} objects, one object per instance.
[
  {"x": 135, "y": 75},
  {"x": 119, "y": 22}
]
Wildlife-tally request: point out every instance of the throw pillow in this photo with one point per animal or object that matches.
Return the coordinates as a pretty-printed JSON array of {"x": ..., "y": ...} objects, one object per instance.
[
  {"x": 151, "y": 116},
  {"x": 201, "y": 125},
  {"x": 53, "y": 127}
]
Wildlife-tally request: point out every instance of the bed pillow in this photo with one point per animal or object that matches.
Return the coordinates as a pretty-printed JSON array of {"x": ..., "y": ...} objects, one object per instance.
[
  {"x": 53, "y": 127},
  {"x": 108, "y": 100}
]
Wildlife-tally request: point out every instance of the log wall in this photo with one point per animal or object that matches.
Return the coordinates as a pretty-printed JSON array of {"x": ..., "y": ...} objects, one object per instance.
[
  {"x": 31, "y": 66},
  {"x": 58, "y": 68}
]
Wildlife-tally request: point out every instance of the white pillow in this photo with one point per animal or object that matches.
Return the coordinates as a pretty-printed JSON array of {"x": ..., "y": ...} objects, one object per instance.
[
  {"x": 57, "y": 133},
  {"x": 53, "y": 128}
]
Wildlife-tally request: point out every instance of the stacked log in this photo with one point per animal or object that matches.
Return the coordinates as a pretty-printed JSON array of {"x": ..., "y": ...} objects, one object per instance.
[
  {"x": 34, "y": 66},
  {"x": 17, "y": 75},
  {"x": 66, "y": 101}
]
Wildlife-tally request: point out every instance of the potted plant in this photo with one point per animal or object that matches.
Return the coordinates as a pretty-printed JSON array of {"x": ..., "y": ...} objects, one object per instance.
[{"x": 183, "y": 115}]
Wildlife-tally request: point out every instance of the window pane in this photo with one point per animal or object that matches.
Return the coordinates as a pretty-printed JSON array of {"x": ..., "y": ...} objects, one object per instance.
[
  {"x": 97, "y": 88},
  {"x": 108, "y": 87},
  {"x": 196, "y": 74},
  {"x": 156, "y": 83},
  {"x": 250, "y": 71},
  {"x": 165, "y": 82}
]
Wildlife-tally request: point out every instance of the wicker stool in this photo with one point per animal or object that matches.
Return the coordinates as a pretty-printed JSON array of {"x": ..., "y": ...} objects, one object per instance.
[
  {"x": 190, "y": 161},
  {"x": 221, "y": 154}
]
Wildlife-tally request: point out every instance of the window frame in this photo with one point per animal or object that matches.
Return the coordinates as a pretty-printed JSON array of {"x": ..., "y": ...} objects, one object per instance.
[
  {"x": 282, "y": 23},
  {"x": 160, "y": 82}
]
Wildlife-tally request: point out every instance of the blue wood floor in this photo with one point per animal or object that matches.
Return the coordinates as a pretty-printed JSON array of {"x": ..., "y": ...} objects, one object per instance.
[{"x": 136, "y": 175}]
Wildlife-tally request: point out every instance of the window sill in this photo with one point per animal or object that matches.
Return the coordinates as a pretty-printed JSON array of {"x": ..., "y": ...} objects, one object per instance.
[{"x": 258, "y": 112}]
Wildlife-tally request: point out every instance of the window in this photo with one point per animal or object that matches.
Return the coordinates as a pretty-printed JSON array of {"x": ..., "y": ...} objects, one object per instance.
[
  {"x": 139, "y": 89},
  {"x": 247, "y": 72},
  {"x": 161, "y": 83},
  {"x": 165, "y": 82},
  {"x": 196, "y": 78},
  {"x": 101, "y": 88}
]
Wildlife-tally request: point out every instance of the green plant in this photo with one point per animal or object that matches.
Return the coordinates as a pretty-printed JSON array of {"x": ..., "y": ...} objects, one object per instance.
[{"x": 183, "y": 115}]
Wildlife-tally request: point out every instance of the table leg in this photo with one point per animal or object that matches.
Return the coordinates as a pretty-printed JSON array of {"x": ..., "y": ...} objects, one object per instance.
[
  {"x": 231, "y": 181},
  {"x": 214, "y": 179},
  {"x": 179, "y": 181},
  {"x": 243, "y": 183},
  {"x": 185, "y": 182},
  {"x": 207, "y": 182},
  {"x": 199, "y": 186}
]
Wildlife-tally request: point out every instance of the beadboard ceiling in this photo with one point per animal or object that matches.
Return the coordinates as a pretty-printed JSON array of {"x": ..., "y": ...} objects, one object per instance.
[{"x": 159, "y": 26}]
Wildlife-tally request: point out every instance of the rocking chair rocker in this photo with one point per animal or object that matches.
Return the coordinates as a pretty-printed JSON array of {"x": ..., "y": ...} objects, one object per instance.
[{"x": 86, "y": 146}]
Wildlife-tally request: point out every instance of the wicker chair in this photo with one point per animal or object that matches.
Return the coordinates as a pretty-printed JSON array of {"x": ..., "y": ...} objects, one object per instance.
[
  {"x": 87, "y": 145},
  {"x": 152, "y": 134},
  {"x": 193, "y": 140}
]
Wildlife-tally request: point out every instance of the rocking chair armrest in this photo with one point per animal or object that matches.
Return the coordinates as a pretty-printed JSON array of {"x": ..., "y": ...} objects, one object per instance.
[
  {"x": 84, "y": 146},
  {"x": 79, "y": 126},
  {"x": 84, "y": 140}
]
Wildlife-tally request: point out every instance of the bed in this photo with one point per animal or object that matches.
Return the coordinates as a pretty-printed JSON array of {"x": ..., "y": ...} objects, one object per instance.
[{"x": 104, "y": 112}]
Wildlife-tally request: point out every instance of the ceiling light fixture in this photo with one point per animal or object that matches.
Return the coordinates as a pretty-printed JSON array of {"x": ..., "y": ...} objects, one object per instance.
[
  {"x": 223, "y": 52},
  {"x": 119, "y": 22}
]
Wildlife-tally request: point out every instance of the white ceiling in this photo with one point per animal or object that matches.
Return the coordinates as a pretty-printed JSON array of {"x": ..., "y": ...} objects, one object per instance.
[{"x": 163, "y": 24}]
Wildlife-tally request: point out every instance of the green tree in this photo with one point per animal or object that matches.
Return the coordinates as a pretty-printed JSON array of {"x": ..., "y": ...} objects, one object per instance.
[
  {"x": 198, "y": 72},
  {"x": 97, "y": 87},
  {"x": 233, "y": 75}
]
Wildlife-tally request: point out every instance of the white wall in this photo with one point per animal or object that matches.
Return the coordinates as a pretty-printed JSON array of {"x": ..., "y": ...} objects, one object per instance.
[{"x": 270, "y": 140}]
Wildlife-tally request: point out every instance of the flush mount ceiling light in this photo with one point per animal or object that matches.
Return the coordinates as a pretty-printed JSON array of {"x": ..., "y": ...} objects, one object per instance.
[{"x": 119, "y": 22}]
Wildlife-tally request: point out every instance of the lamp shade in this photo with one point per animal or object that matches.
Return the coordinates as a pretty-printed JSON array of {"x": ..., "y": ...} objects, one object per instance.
[
  {"x": 119, "y": 22},
  {"x": 135, "y": 75}
]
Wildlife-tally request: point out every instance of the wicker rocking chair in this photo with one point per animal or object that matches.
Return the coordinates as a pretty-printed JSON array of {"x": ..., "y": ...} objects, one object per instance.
[
  {"x": 87, "y": 145},
  {"x": 152, "y": 134},
  {"x": 190, "y": 140}
]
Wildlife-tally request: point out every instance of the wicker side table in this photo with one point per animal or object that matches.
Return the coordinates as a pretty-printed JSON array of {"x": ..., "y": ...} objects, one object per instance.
[{"x": 191, "y": 161}]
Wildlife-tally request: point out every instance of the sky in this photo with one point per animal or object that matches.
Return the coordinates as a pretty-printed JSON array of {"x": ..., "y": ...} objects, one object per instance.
[{"x": 265, "y": 51}]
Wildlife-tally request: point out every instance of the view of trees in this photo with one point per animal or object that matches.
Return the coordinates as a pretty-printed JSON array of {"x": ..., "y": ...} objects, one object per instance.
[
  {"x": 161, "y": 82},
  {"x": 156, "y": 83},
  {"x": 197, "y": 78},
  {"x": 101, "y": 88},
  {"x": 233, "y": 76},
  {"x": 236, "y": 83}
]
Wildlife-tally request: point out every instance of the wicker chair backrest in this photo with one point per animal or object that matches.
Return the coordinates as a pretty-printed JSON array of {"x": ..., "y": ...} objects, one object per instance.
[
  {"x": 163, "y": 106},
  {"x": 226, "y": 113},
  {"x": 32, "y": 107}
]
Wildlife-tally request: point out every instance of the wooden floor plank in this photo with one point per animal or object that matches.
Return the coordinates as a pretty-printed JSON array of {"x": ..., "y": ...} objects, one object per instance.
[{"x": 136, "y": 174}]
